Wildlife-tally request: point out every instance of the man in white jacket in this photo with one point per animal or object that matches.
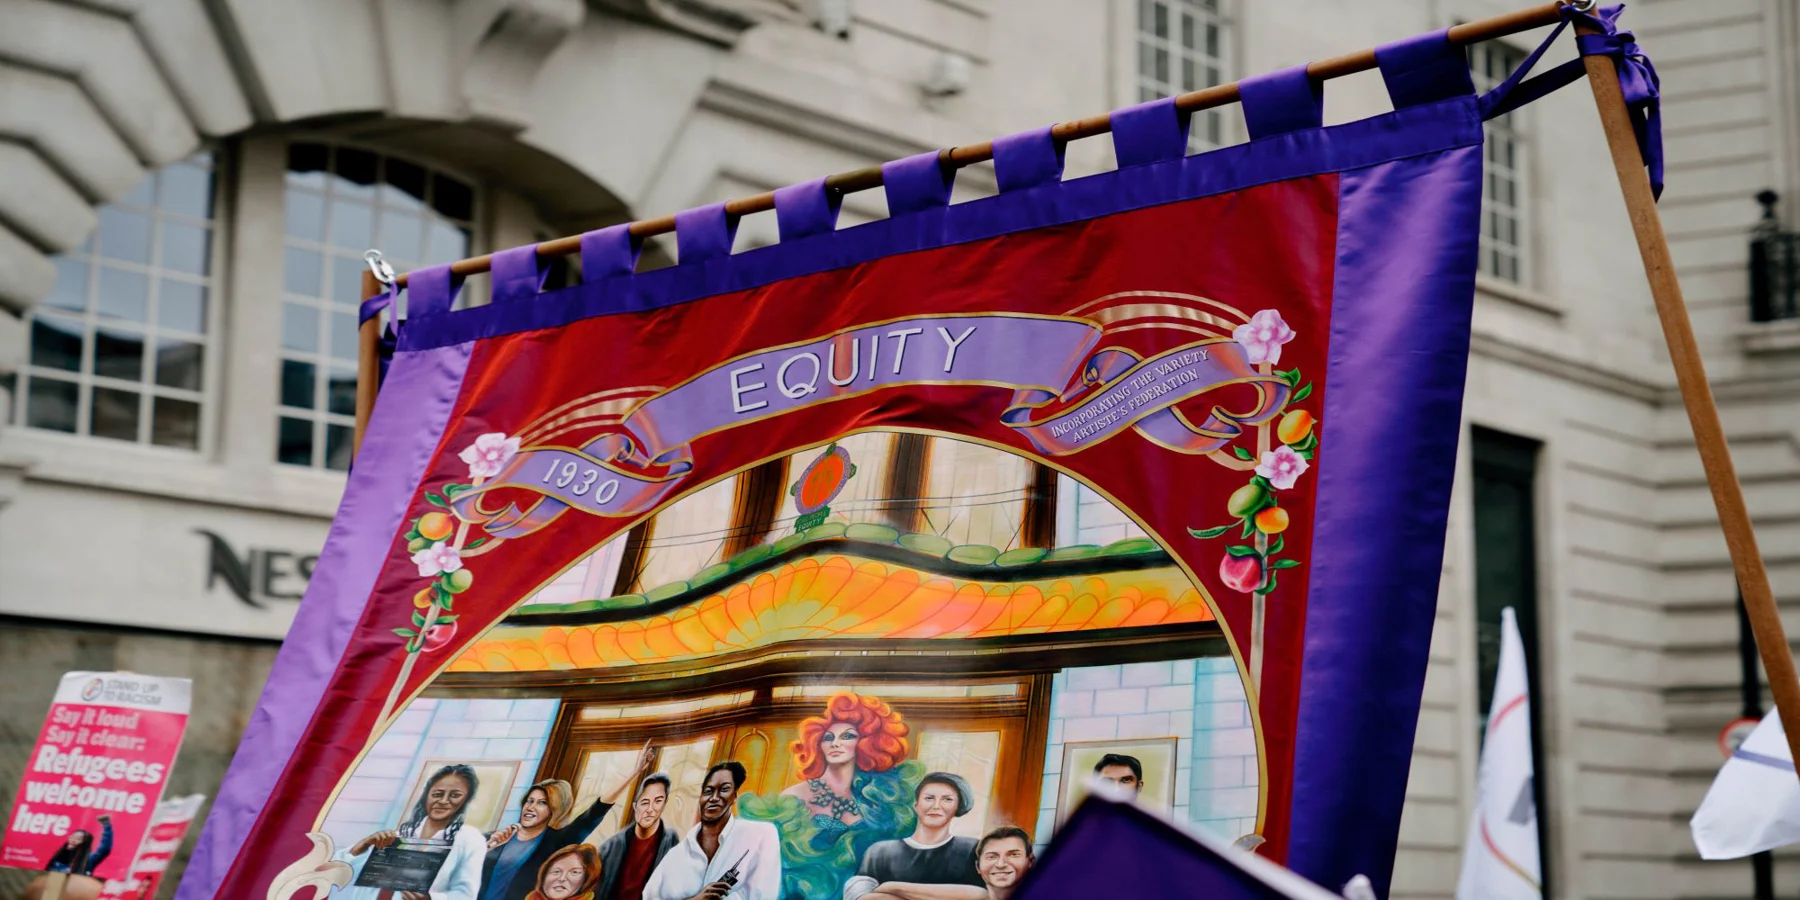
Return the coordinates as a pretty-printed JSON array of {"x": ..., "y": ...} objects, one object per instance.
[{"x": 722, "y": 855}]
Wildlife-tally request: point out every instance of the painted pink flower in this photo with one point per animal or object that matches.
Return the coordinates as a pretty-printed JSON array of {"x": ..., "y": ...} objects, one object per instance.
[
  {"x": 489, "y": 454},
  {"x": 1263, "y": 336},
  {"x": 437, "y": 559},
  {"x": 1281, "y": 466}
]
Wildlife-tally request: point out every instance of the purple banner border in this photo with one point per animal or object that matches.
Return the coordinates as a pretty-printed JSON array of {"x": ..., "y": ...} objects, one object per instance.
[
  {"x": 1405, "y": 278},
  {"x": 409, "y": 419}
]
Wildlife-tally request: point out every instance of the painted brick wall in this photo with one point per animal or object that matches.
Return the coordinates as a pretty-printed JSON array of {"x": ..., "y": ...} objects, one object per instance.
[
  {"x": 1226, "y": 774},
  {"x": 1085, "y": 517},
  {"x": 378, "y": 797},
  {"x": 1199, "y": 702}
]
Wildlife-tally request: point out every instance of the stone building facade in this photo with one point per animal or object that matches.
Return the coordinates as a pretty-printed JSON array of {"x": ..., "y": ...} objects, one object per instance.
[{"x": 186, "y": 187}]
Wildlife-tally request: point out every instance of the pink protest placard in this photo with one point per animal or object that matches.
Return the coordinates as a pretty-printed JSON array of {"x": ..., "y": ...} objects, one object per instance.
[
  {"x": 93, "y": 781},
  {"x": 166, "y": 833}
]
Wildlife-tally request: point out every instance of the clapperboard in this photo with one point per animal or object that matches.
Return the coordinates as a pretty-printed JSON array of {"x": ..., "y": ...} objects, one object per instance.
[{"x": 406, "y": 865}]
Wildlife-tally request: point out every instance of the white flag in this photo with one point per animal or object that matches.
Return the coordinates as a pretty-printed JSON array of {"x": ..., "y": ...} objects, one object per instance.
[
  {"x": 1754, "y": 804},
  {"x": 1500, "y": 859}
]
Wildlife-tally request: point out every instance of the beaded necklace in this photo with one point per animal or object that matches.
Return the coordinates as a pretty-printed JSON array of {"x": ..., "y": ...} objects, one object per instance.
[{"x": 836, "y": 804}]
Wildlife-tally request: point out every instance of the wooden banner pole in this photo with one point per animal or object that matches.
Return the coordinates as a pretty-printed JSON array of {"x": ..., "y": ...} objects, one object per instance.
[
  {"x": 368, "y": 362},
  {"x": 1696, "y": 394}
]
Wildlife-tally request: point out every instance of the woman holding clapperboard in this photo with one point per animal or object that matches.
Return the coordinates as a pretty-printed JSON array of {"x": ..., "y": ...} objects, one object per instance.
[{"x": 438, "y": 816}]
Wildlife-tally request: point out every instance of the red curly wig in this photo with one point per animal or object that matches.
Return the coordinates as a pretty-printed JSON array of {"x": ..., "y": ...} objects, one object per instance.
[{"x": 883, "y": 743}]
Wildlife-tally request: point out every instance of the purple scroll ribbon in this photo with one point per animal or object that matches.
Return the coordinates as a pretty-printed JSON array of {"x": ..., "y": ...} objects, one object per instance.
[{"x": 1067, "y": 396}]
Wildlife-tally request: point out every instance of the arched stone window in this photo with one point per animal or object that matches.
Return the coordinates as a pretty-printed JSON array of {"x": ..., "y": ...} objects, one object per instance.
[
  {"x": 120, "y": 349},
  {"x": 340, "y": 201}
]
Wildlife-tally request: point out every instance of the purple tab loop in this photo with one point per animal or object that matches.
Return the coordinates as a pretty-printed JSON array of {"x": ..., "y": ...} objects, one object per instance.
[
  {"x": 1515, "y": 91},
  {"x": 704, "y": 233},
  {"x": 429, "y": 292},
  {"x": 917, "y": 183},
  {"x": 1149, "y": 132},
  {"x": 518, "y": 274},
  {"x": 609, "y": 252},
  {"x": 1281, "y": 102},
  {"x": 1424, "y": 69},
  {"x": 806, "y": 209},
  {"x": 1028, "y": 159}
]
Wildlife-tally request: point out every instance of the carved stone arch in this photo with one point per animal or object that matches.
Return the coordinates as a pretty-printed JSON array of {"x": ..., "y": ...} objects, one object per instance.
[
  {"x": 95, "y": 93},
  {"x": 566, "y": 198}
]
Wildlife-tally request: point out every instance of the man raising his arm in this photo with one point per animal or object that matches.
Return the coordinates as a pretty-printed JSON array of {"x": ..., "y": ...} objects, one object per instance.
[{"x": 628, "y": 858}]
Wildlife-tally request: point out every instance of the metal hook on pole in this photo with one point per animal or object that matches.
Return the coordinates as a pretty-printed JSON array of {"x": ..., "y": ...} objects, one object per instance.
[{"x": 379, "y": 267}]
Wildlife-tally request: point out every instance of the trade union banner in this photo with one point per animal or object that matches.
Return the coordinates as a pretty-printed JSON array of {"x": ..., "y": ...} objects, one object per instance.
[{"x": 857, "y": 559}]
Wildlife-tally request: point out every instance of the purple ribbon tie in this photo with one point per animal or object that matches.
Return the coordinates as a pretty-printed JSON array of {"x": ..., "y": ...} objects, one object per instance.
[{"x": 1637, "y": 81}]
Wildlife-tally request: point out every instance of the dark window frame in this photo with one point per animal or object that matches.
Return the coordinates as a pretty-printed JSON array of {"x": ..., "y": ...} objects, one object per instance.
[{"x": 1504, "y": 476}]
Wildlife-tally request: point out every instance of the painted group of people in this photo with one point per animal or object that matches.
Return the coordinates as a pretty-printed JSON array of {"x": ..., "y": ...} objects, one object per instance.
[
  {"x": 542, "y": 856},
  {"x": 723, "y": 856},
  {"x": 933, "y": 864},
  {"x": 864, "y": 822}
]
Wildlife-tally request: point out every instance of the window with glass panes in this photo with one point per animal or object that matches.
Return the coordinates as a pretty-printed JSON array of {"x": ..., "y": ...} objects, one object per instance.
[
  {"x": 1180, "y": 48},
  {"x": 339, "y": 202},
  {"x": 119, "y": 348},
  {"x": 1502, "y": 194}
]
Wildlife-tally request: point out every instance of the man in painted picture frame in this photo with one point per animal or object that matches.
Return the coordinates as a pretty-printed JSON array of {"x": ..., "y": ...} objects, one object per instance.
[{"x": 1124, "y": 772}]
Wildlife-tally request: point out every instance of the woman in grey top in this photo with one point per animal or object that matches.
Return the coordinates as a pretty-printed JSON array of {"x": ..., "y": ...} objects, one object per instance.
[{"x": 931, "y": 864}]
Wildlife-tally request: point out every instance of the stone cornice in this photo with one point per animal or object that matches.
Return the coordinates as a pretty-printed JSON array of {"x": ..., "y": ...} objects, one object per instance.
[
  {"x": 1574, "y": 370},
  {"x": 507, "y": 46},
  {"x": 745, "y": 99}
]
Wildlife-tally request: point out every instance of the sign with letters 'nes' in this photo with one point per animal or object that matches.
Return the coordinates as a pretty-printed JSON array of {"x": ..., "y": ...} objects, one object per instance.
[{"x": 94, "y": 779}]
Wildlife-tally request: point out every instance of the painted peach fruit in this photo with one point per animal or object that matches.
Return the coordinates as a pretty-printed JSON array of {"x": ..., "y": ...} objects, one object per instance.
[
  {"x": 1295, "y": 426},
  {"x": 435, "y": 526}
]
